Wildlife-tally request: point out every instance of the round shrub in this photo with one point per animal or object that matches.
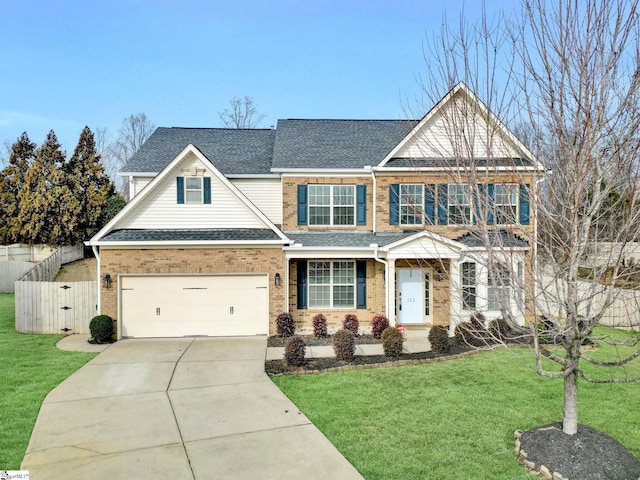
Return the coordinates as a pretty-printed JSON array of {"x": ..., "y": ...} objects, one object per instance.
[
  {"x": 285, "y": 324},
  {"x": 499, "y": 329},
  {"x": 378, "y": 324},
  {"x": 294, "y": 351},
  {"x": 351, "y": 323},
  {"x": 101, "y": 328},
  {"x": 464, "y": 334},
  {"x": 344, "y": 345},
  {"x": 319, "y": 326},
  {"x": 392, "y": 342},
  {"x": 439, "y": 339}
]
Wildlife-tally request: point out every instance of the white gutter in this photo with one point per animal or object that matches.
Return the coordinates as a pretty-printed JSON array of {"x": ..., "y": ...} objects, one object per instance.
[
  {"x": 374, "y": 187},
  {"x": 387, "y": 282},
  {"x": 96, "y": 253}
]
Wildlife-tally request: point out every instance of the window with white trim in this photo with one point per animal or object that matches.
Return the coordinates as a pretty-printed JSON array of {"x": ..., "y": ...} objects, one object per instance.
[
  {"x": 332, "y": 284},
  {"x": 505, "y": 203},
  {"x": 332, "y": 204},
  {"x": 411, "y": 204},
  {"x": 499, "y": 287},
  {"x": 469, "y": 285},
  {"x": 459, "y": 200},
  {"x": 193, "y": 190}
]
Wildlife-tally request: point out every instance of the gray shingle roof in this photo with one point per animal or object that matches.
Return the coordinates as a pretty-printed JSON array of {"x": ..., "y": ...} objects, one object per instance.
[
  {"x": 232, "y": 151},
  {"x": 336, "y": 143},
  {"x": 496, "y": 238},
  {"x": 452, "y": 162},
  {"x": 345, "y": 239},
  {"x": 156, "y": 235}
]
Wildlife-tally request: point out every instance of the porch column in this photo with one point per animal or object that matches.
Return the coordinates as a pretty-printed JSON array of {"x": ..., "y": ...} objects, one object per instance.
[
  {"x": 455, "y": 294},
  {"x": 390, "y": 286}
]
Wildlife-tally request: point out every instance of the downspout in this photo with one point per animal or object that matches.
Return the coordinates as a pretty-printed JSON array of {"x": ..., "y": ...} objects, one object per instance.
[
  {"x": 96, "y": 253},
  {"x": 374, "y": 195}
]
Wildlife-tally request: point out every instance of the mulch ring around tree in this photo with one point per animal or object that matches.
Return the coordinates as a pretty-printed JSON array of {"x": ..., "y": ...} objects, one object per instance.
[
  {"x": 587, "y": 455},
  {"x": 324, "y": 364}
]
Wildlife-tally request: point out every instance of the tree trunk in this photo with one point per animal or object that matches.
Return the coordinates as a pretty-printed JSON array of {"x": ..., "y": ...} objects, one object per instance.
[{"x": 570, "y": 407}]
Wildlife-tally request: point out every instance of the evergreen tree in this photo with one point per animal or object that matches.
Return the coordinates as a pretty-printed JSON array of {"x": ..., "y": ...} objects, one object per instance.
[
  {"x": 48, "y": 211},
  {"x": 11, "y": 180},
  {"x": 87, "y": 181}
]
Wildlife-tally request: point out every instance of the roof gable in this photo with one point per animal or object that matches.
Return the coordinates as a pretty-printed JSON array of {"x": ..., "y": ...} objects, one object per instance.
[
  {"x": 156, "y": 208},
  {"x": 459, "y": 127}
]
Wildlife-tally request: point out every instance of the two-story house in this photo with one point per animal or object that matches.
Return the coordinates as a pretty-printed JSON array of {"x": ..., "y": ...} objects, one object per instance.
[{"x": 228, "y": 228}]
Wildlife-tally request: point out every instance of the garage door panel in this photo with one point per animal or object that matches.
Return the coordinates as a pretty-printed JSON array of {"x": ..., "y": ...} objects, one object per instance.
[{"x": 174, "y": 306}]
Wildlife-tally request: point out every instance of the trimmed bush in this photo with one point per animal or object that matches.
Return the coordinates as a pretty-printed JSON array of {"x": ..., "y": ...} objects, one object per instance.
[
  {"x": 392, "y": 342},
  {"x": 285, "y": 324},
  {"x": 351, "y": 323},
  {"x": 439, "y": 339},
  {"x": 101, "y": 328},
  {"x": 319, "y": 326},
  {"x": 294, "y": 351},
  {"x": 378, "y": 324},
  {"x": 499, "y": 329},
  {"x": 344, "y": 345}
]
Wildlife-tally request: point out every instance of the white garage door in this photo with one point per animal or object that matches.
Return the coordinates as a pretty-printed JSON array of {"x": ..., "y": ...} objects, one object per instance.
[{"x": 178, "y": 306}]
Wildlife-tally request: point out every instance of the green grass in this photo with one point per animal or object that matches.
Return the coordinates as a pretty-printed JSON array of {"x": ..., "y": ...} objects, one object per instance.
[
  {"x": 454, "y": 419},
  {"x": 30, "y": 367}
]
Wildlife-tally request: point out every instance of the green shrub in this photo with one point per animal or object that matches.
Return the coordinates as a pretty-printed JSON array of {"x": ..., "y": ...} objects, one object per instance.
[
  {"x": 439, "y": 339},
  {"x": 392, "y": 342},
  {"x": 344, "y": 345},
  {"x": 101, "y": 328},
  {"x": 294, "y": 351},
  {"x": 319, "y": 326},
  {"x": 285, "y": 324},
  {"x": 499, "y": 329},
  {"x": 351, "y": 323},
  {"x": 378, "y": 324}
]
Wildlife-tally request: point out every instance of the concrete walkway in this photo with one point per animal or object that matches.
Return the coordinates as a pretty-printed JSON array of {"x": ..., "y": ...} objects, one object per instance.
[{"x": 188, "y": 408}]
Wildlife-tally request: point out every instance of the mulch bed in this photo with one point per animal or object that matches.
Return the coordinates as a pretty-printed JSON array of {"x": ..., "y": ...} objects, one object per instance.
[
  {"x": 316, "y": 365},
  {"x": 587, "y": 455}
]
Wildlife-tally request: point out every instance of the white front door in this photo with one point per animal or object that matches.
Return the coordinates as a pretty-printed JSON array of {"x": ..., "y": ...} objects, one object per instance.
[{"x": 414, "y": 296}]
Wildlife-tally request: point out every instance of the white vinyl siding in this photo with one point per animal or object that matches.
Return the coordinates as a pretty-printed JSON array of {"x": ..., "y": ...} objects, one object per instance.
[
  {"x": 137, "y": 184},
  {"x": 264, "y": 193},
  {"x": 159, "y": 208}
]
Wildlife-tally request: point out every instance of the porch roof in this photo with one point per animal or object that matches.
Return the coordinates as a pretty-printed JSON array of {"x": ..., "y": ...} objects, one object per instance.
[{"x": 334, "y": 239}]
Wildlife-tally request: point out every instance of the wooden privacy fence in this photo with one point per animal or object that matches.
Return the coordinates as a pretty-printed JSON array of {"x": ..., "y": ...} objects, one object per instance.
[
  {"x": 52, "y": 307},
  {"x": 10, "y": 271},
  {"x": 43, "y": 306}
]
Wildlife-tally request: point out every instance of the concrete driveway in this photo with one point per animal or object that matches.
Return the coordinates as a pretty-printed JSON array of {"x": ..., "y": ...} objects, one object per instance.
[{"x": 184, "y": 408}]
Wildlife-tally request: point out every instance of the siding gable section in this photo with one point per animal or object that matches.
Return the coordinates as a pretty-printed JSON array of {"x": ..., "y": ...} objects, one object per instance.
[
  {"x": 157, "y": 207},
  {"x": 459, "y": 126}
]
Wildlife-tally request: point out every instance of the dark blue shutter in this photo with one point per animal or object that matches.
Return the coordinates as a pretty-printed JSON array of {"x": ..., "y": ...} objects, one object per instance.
[
  {"x": 479, "y": 204},
  {"x": 361, "y": 284},
  {"x": 361, "y": 204},
  {"x": 491, "y": 201},
  {"x": 394, "y": 204},
  {"x": 180, "y": 189},
  {"x": 302, "y": 284},
  {"x": 443, "y": 204},
  {"x": 207, "y": 190},
  {"x": 302, "y": 204},
  {"x": 430, "y": 204},
  {"x": 525, "y": 209}
]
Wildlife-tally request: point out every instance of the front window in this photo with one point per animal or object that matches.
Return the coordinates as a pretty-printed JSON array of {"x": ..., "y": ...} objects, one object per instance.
[
  {"x": 468, "y": 274},
  {"x": 459, "y": 204},
  {"x": 505, "y": 204},
  {"x": 499, "y": 283},
  {"x": 332, "y": 204},
  {"x": 193, "y": 189},
  {"x": 411, "y": 196},
  {"x": 332, "y": 284}
]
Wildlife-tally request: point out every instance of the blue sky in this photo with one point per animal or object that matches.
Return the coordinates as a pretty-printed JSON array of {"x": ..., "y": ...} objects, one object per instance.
[{"x": 67, "y": 64}]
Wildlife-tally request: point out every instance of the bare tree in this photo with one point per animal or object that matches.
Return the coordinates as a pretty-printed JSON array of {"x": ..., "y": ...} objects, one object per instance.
[
  {"x": 134, "y": 131},
  {"x": 243, "y": 114},
  {"x": 569, "y": 72}
]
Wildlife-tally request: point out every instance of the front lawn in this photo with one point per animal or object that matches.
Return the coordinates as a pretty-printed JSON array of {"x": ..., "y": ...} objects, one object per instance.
[
  {"x": 453, "y": 419},
  {"x": 30, "y": 367}
]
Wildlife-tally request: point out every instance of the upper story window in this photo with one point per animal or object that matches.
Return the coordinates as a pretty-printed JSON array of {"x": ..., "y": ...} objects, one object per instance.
[
  {"x": 411, "y": 204},
  {"x": 332, "y": 204},
  {"x": 505, "y": 203},
  {"x": 193, "y": 190},
  {"x": 459, "y": 204}
]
